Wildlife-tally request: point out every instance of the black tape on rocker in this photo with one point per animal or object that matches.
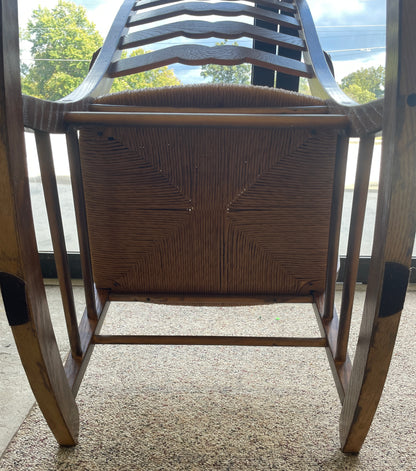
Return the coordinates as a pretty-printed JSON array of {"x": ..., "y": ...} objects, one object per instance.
[
  {"x": 396, "y": 278},
  {"x": 14, "y": 297}
]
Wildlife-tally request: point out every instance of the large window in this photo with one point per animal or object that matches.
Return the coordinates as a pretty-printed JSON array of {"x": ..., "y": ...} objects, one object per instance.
[{"x": 353, "y": 45}]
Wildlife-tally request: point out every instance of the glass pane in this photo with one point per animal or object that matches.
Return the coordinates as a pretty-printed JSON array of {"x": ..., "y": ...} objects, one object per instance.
[
  {"x": 64, "y": 189},
  {"x": 345, "y": 33},
  {"x": 368, "y": 231}
]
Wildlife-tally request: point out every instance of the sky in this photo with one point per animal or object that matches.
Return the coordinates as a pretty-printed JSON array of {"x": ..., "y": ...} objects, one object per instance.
[
  {"x": 330, "y": 12},
  {"x": 351, "y": 31}
]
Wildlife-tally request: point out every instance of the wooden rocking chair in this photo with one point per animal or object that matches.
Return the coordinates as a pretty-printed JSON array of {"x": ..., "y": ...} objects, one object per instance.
[{"x": 211, "y": 194}]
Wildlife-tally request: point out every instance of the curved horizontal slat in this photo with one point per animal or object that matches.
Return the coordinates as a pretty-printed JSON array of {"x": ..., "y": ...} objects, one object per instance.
[
  {"x": 220, "y": 9},
  {"x": 326, "y": 121},
  {"x": 200, "y": 55},
  {"x": 205, "y": 29},
  {"x": 284, "y": 6}
]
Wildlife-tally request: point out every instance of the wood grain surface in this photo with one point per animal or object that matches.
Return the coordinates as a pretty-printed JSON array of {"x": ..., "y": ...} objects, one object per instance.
[
  {"x": 277, "y": 4},
  {"x": 206, "y": 9},
  {"x": 203, "y": 29},
  {"x": 197, "y": 54}
]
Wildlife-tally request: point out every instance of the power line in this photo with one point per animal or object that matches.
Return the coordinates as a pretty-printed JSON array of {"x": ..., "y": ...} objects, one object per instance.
[
  {"x": 361, "y": 49},
  {"x": 55, "y": 60},
  {"x": 350, "y": 26}
]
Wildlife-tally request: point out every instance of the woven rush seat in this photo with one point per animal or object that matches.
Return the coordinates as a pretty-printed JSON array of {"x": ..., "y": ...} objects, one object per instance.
[{"x": 209, "y": 210}]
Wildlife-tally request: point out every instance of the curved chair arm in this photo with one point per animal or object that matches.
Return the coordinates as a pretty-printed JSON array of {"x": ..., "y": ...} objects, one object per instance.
[{"x": 365, "y": 119}]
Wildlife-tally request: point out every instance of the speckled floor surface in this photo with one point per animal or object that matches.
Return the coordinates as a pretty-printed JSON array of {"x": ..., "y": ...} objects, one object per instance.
[{"x": 222, "y": 408}]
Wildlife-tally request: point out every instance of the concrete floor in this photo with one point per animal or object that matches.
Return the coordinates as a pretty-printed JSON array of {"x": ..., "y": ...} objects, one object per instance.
[{"x": 16, "y": 398}]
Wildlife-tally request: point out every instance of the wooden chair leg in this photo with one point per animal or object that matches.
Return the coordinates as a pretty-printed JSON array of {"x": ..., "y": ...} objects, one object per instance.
[
  {"x": 394, "y": 230},
  {"x": 41, "y": 360},
  {"x": 20, "y": 275},
  {"x": 372, "y": 358}
]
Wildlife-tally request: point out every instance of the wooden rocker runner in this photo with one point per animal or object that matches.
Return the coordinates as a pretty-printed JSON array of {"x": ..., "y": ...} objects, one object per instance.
[{"x": 210, "y": 194}]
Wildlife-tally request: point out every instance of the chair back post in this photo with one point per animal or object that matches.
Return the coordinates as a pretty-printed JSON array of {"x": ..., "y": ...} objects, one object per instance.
[{"x": 21, "y": 279}]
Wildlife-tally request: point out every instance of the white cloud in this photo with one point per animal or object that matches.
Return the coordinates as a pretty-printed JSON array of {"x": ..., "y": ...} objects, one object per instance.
[
  {"x": 343, "y": 68},
  {"x": 26, "y": 7},
  {"x": 102, "y": 14},
  {"x": 345, "y": 11},
  {"x": 333, "y": 9}
]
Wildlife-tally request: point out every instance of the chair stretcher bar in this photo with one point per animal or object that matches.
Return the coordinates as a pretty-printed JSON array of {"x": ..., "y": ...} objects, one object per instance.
[{"x": 207, "y": 119}]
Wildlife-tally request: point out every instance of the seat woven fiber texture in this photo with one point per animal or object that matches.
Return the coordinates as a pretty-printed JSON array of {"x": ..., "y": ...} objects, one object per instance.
[{"x": 208, "y": 210}]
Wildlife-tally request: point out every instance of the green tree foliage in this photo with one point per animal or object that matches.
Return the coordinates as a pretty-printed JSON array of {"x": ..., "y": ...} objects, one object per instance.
[
  {"x": 238, "y": 74},
  {"x": 304, "y": 86},
  {"x": 364, "y": 85},
  {"x": 63, "y": 42}
]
